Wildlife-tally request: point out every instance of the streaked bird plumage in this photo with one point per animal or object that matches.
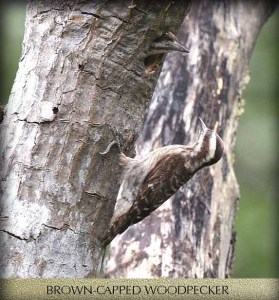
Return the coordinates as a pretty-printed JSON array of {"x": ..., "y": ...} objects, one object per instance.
[
  {"x": 163, "y": 44},
  {"x": 148, "y": 182}
]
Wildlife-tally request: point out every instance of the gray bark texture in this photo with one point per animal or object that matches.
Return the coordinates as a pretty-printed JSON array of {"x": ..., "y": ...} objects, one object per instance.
[
  {"x": 80, "y": 84},
  {"x": 191, "y": 235}
]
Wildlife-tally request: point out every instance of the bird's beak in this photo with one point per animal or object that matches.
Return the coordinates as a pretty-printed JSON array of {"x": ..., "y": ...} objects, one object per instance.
[
  {"x": 204, "y": 129},
  {"x": 175, "y": 46},
  {"x": 203, "y": 125},
  {"x": 166, "y": 43}
]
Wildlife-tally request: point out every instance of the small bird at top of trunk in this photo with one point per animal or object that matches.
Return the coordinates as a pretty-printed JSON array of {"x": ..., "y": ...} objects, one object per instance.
[{"x": 164, "y": 44}]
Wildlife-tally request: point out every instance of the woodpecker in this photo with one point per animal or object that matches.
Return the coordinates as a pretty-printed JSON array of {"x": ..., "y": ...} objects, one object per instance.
[
  {"x": 165, "y": 43},
  {"x": 148, "y": 182}
]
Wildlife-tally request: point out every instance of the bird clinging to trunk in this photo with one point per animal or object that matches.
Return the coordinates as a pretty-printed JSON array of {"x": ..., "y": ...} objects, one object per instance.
[
  {"x": 160, "y": 46},
  {"x": 148, "y": 182}
]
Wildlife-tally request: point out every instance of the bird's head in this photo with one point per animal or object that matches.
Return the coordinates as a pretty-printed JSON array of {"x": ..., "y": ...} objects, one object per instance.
[
  {"x": 209, "y": 146},
  {"x": 165, "y": 43}
]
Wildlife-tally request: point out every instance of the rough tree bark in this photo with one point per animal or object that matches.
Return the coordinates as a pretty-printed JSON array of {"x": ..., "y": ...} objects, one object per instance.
[
  {"x": 192, "y": 234},
  {"x": 80, "y": 84}
]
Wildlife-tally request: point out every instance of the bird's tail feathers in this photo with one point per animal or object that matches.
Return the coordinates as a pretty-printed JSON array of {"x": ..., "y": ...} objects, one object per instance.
[
  {"x": 118, "y": 227},
  {"x": 107, "y": 238}
]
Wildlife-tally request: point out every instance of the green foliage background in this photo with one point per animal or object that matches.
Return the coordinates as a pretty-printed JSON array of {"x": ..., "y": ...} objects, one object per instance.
[
  {"x": 256, "y": 152},
  {"x": 256, "y": 162}
]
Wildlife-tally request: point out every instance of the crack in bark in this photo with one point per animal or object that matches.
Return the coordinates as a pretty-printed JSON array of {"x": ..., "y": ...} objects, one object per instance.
[
  {"x": 120, "y": 19},
  {"x": 108, "y": 88},
  {"x": 55, "y": 111},
  {"x": 69, "y": 91},
  {"x": 97, "y": 16},
  {"x": 64, "y": 227},
  {"x": 93, "y": 194},
  {"x": 46, "y": 11},
  {"x": 17, "y": 236},
  {"x": 141, "y": 11},
  {"x": 29, "y": 122},
  {"x": 92, "y": 14}
]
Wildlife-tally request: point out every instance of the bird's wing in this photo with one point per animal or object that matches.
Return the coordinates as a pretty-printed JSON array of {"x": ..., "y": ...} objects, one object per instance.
[
  {"x": 161, "y": 182},
  {"x": 135, "y": 171}
]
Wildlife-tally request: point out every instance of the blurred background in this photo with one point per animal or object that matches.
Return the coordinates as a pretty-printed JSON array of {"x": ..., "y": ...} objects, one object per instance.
[
  {"x": 256, "y": 162},
  {"x": 256, "y": 147}
]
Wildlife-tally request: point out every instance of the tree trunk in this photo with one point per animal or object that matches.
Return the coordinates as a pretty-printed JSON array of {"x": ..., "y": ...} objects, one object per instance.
[
  {"x": 191, "y": 235},
  {"x": 80, "y": 84}
]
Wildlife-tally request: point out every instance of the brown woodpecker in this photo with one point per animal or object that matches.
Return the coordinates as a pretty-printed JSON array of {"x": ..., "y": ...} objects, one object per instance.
[
  {"x": 165, "y": 43},
  {"x": 148, "y": 182}
]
